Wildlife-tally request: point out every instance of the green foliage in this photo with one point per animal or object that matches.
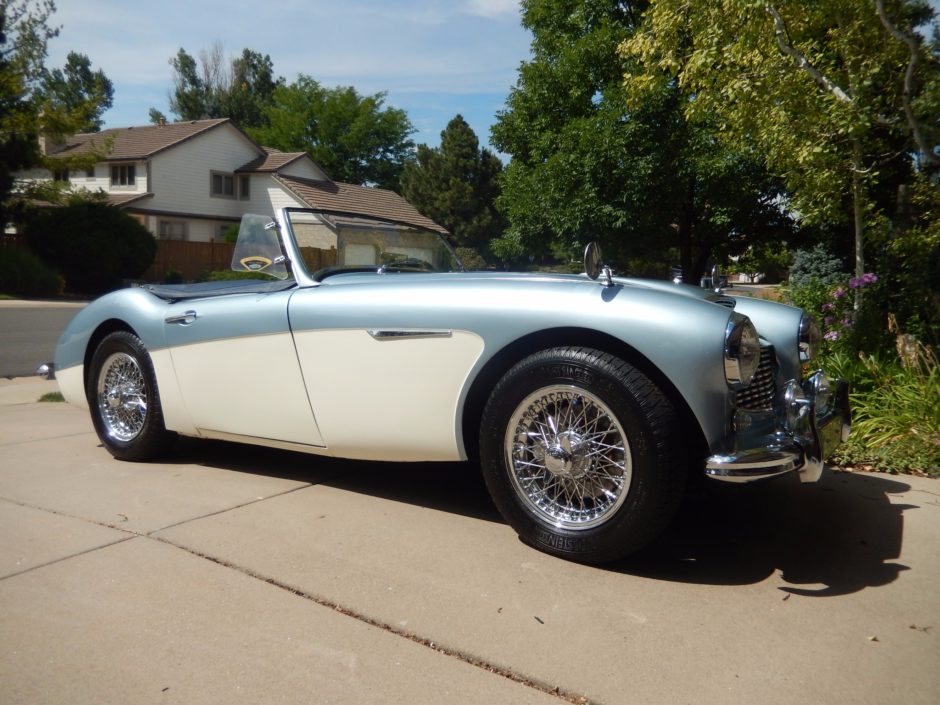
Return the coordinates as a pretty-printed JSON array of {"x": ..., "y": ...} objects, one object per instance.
[
  {"x": 231, "y": 275},
  {"x": 217, "y": 87},
  {"x": 846, "y": 328},
  {"x": 230, "y": 234},
  {"x": 357, "y": 139},
  {"x": 93, "y": 245},
  {"x": 835, "y": 94},
  {"x": 30, "y": 105},
  {"x": 588, "y": 165},
  {"x": 771, "y": 259},
  {"x": 470, "y": 258},
  {"x": 78, "y": 90},
  {"x": 911, "y": 265},
  {"x": 173, "y": 276},
  {"x": 896, "y": 410},
  {"x": 23, "y": 274},
  {"x": 52, "y": 397},
  {"x": 816, "y": 264},
  {"x": 455, "y": 186}
]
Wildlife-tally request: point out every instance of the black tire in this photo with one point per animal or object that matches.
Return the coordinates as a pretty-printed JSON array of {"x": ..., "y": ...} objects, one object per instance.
[
  {"x": 582, "y": 454},
  {"x": 124, "y": 401}
]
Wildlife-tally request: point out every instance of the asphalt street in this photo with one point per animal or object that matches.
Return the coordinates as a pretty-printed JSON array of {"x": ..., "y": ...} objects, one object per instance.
[
  {"x": 28, "y": 333},
  {"x": 230, "y": 573}
]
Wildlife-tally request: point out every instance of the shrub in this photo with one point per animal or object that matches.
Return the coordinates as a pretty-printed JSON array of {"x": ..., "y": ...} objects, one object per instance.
[
  {"x": 470, "y": 258},
  {"x": 896, "y": 410},
  {"x": 93, "y": 245},
  {"x": 23, "y": 274},
  {"x": 231, "y": 275},
  {"x": 173, "y": 276},
  {"x": 815, "y": 265}
]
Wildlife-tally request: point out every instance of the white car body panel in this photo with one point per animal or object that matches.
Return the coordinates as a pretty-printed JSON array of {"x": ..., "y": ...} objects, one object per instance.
[
  {"x": 249, "y": 386},
  {"x": 394, "y": 399}
]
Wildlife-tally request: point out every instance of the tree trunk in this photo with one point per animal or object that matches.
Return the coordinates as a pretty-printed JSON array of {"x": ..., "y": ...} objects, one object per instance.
[{"x": 859, "y": 213}]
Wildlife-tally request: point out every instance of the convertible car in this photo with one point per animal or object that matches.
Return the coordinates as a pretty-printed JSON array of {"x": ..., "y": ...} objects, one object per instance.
[{"x": 586, "y": 399}]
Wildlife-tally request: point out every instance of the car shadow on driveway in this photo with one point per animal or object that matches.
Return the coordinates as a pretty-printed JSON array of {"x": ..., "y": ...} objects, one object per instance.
[
  {"x": 834, "y": 537},
  {"x": 456, "y": 488}
]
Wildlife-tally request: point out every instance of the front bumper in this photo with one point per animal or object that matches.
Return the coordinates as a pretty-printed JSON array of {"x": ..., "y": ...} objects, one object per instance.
[{"x": 802, "y": 443}]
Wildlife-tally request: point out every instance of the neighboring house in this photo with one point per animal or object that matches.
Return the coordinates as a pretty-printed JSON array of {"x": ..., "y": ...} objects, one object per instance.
[{"x": 193, "y": 180}]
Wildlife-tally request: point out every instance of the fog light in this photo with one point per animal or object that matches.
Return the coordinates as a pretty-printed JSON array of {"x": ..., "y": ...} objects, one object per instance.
[{"x": 796, "y": 403}]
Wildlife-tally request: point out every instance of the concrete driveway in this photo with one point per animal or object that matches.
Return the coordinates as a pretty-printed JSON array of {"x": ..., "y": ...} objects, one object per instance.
[{"x": 235, "y": 574}]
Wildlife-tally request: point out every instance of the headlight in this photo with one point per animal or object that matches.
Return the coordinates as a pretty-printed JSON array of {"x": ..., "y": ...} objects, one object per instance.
[
  {"x": 810, "y": 337},
  {"x": 742, "y": 351}
]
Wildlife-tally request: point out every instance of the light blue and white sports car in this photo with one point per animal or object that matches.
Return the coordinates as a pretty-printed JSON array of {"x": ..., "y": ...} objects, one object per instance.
[{"x": 587, "y": 399}]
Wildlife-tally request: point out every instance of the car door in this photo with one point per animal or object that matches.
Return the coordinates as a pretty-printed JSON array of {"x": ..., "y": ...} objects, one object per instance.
[
  {"x": 385, "y": 381},
  {"x": 237, "y": 368}
]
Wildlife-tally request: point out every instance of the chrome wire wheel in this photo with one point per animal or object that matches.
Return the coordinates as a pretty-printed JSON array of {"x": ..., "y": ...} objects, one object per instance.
[
  {"x": 568, "y": 457},
  {"x": 122, "y": 397}
]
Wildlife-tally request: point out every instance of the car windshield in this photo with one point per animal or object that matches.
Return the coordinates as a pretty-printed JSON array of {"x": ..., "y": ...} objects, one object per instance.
[{"x": 332, "y": 243}]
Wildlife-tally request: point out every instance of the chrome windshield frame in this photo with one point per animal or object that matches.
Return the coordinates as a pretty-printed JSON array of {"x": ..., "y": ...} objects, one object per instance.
[{"x": 292, "y": 250}]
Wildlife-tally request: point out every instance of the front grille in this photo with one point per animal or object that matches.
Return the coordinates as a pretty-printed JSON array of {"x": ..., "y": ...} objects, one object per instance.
[{"x": 761, "y": 392}]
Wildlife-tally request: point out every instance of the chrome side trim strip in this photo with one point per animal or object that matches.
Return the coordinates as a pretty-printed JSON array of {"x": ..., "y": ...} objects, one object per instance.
[{"x": 408, "y": 333}]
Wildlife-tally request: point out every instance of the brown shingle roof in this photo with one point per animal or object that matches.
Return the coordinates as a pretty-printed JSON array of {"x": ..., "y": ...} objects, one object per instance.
[
  {"x": 123, "y": 199},
  {"x": 271, "y": 160},
  {"x": 139, "y": 142},
  {"x": 357, "y": 200}
]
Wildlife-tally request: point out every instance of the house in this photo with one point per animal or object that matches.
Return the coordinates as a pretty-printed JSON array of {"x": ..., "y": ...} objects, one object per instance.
[{"x": 194, "y": 180}]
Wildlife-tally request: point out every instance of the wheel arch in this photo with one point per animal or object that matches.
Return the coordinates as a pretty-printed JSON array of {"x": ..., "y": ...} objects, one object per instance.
[
  {"x": 517, "y": 350},
  {"x": 104, "y": 329}
]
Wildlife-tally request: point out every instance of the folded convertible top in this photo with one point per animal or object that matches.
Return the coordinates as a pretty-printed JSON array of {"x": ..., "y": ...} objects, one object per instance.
[{"x": 201, "y": 290}]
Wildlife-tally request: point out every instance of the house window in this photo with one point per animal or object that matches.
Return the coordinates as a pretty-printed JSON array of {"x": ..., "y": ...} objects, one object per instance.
[
  {"x": 123, "y": 175},
  {"x": 90, "y": 172},
  {"x": 60, "y": 175},
  {"x": 173, "y": 230},
  {"x": 223, "y": 185},
  {"x": 244, "y": 187}
]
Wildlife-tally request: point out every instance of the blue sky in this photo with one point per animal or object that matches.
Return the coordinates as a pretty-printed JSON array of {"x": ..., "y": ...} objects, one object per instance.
[{"x": 435, "y": 58}]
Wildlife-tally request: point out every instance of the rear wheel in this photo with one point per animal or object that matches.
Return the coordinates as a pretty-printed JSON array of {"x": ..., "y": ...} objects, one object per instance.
[
  {"x": 580, "y": 453},
  {"x": 123, "y": 398}
]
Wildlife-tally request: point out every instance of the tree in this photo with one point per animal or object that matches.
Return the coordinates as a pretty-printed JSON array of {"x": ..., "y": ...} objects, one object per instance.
[
  {"x": 25, "y": 114},
  {"x": 355, "y": 138},
  {"x": 455, "y": 185},
  {"x": 834, "y": 93},
  {"x": 79, "y": 90},
  {"x": 215, "y": 87},
  {"x": 587, "y": 165}
]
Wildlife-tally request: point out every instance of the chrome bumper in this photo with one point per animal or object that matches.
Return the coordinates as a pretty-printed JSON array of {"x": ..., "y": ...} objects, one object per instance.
[{"x": 810, "y": 438}]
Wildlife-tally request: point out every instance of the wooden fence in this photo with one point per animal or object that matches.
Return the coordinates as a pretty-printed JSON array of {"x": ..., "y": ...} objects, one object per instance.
[{"x": 193, "y": 259}]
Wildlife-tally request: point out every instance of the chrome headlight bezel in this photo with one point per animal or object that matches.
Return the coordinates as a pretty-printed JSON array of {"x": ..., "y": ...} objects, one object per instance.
[
  {"x": 742, "y": 351},
  {"x": 810, "y": 337}
]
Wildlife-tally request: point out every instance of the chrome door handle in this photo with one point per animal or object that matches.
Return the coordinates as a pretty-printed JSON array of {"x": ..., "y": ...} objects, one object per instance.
[{"x": 183, "y": 319}]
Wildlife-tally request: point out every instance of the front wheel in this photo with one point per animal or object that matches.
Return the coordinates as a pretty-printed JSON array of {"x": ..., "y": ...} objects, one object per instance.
[
  {"x": 581, "y": 454},
  {"x": 123, "y": 398}
]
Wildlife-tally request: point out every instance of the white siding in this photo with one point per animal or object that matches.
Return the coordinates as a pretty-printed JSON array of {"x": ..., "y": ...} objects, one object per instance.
[
  {"x": 304, "y": 168},
  {"x": 182, "y": 174}
]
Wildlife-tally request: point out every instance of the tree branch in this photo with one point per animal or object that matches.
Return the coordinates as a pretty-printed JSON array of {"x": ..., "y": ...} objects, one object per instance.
[
  {"x": 786, "y": 48},
  {"x": 913, "y": 45}
]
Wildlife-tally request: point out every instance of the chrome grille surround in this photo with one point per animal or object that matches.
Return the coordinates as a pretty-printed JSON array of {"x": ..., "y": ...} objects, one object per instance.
[{"x": 761, "y": 392}]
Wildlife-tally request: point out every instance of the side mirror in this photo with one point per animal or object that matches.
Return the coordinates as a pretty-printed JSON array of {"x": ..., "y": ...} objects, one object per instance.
[{"x": 594, "y": 265}]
